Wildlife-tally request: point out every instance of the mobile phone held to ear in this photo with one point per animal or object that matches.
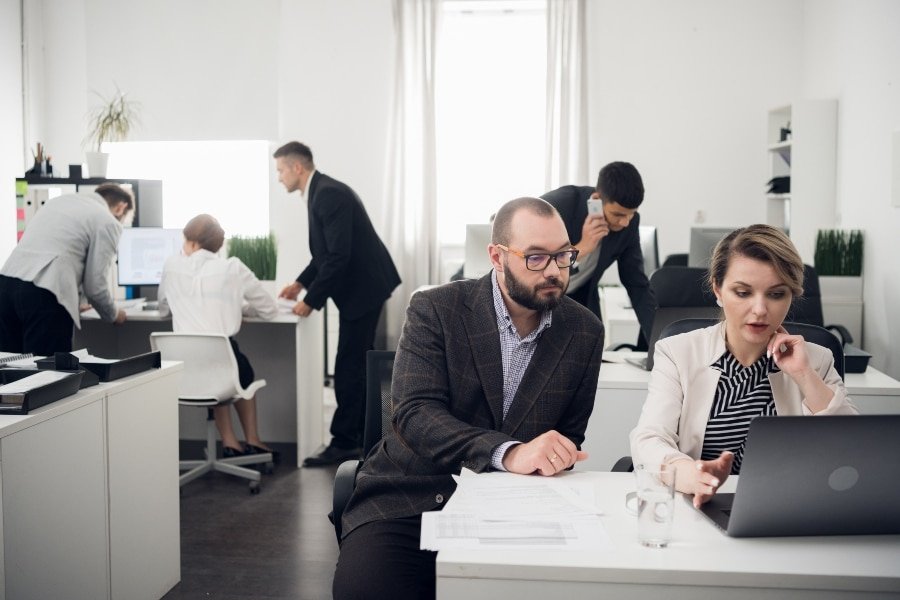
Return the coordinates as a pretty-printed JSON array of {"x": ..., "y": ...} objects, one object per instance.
[{"x": 595, "y": 206}]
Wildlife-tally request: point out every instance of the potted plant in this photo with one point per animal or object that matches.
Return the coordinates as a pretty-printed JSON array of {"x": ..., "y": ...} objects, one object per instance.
[
  {"x": 258, "y": 253},
  {"x": 838, "y": 261},
  {"x": 110, "y": 121}
]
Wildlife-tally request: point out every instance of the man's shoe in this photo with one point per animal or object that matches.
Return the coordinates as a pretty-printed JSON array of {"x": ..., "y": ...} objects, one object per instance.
[{"x": 332, "y": 455}]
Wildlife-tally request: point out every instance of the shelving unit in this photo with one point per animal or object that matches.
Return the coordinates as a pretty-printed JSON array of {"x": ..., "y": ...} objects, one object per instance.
[{"x": 808, "y": 157}]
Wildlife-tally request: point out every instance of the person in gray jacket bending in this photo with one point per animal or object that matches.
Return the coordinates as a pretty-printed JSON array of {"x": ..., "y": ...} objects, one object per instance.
[{"x": 68, "y": 246}]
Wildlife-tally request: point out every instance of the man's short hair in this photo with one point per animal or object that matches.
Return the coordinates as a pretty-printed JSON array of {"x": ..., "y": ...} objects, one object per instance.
[
  {"x": 621, "y": 183},
  {"x": 115, "y": 194},
  {"x": 205, "y": 230},
  {"x": 298, "y": 151},
  {"x": 502, "y": 226}
]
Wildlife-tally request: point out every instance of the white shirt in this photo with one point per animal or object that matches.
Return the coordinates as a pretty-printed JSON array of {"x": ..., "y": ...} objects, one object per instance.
[
  {"x": 304, "y": 193},
  {"x": 207, "y": 293}
]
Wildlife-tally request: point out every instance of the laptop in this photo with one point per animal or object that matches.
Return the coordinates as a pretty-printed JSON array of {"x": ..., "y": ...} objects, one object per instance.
[{"x": 828, "y": 475}]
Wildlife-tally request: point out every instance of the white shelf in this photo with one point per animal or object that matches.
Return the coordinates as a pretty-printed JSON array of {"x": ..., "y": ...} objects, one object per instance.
[
  {"x": 780, "y": 146},
  {"x": 778, "y": 196}
]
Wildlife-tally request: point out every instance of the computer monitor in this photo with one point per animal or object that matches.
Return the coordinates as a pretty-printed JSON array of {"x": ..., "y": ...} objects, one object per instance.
[
  {"x": 478, "y": 263},
  {"x": 703, "y": 242},
  {"x": 143, "y": 252},
  {"x": 649, "y": 248}
]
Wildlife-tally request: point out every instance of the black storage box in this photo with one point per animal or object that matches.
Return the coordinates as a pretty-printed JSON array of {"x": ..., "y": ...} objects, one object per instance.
[{"x": 856, "y": 360}]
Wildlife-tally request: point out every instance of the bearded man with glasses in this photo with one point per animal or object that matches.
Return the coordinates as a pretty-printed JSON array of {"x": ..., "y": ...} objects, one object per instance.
[{"x": 498, "y": 373}]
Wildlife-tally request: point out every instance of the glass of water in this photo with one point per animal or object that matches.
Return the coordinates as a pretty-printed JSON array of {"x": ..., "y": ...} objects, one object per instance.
[{"x": 655, "y": 506}]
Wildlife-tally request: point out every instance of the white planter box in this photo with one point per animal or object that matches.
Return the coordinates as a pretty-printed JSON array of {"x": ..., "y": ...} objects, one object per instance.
[
  {"x": 842, "y": 304},
  {"x": 841, "y": 289}
]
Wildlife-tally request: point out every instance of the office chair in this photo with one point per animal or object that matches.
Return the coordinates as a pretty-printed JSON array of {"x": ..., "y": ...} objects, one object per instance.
[
  {"x": 811, "y": 333},
  {"x": 676, "y": 260},
  {"x": 379, "y": 369},
  {"x": 808, "y": 308},
  {"x": 210, "y": 379}
]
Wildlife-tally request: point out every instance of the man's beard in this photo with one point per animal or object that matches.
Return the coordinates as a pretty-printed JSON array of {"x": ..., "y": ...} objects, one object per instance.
[{"x": 529, "y": 297}]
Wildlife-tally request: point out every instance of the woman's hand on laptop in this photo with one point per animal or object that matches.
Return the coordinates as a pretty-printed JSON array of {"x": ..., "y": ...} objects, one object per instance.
[{"x": 703, "y": 477}]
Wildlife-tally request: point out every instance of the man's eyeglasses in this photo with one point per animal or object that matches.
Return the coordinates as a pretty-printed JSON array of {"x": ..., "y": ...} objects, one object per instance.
[{"x": 539, "y": 262}]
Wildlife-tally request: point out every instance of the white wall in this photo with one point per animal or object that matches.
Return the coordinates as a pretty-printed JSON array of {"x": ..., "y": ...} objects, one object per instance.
[
  {"x": 681, "y": 90},
  {"x": 851, "y": 52},
  {"x": 11, "y": 143}
]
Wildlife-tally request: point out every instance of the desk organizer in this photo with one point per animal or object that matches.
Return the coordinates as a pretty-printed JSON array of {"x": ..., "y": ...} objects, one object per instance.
[
  {"x": 23, "y": 402},
  {"x": 856, "y": 360},
  {"x": 125, "y": 367}
]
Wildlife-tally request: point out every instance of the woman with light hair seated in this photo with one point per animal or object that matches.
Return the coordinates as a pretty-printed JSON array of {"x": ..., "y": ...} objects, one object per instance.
[
  {"x": 708, "y": 384},
  {"x": 208, "y": 293}
]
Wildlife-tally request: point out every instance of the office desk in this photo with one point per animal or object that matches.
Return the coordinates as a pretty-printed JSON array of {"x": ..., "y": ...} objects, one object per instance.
[
  {"x": 619, "y": 319},
  {"x": 287, "y": 352},
  {"x": 701, "y": 562},
  {"x": 622, "y": 389},
  {"x": 89, "y": 493}
]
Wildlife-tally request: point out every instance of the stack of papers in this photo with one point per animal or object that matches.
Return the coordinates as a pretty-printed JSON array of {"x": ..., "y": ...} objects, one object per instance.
[
  {"x": 500, "y": 511},
  {"x": 26, "y": 384}
]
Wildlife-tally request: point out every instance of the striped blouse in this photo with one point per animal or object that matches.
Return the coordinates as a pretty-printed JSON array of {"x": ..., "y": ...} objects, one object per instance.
[{"x": 742, "y": 394}]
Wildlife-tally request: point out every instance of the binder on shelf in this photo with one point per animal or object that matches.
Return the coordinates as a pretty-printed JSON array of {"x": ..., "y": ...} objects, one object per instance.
[
  {"x": 110, "y": 370},
  {"x": 22, "y": 395}
]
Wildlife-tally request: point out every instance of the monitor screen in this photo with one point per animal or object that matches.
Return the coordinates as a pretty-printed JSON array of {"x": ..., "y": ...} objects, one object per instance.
[
  {"x": 703, "y": 242},
  {"x": 649, "y": 248},
  {"x": 143, "y": 252},
  {"x": 478, "y": 262}
]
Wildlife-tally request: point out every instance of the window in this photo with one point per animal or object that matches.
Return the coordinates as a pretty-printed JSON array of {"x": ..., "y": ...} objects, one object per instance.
[
  {"x": 490, "y": 90},
  {"x": 227, "y": 179}
]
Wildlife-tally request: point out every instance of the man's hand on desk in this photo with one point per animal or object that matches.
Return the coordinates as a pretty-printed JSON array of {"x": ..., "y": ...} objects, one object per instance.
[
  {"x": 302, "y": 309},
  {"x": 120, "y": 317},
  {"x": 547, "y": 454},
  {"x": 291, "y": 291}
]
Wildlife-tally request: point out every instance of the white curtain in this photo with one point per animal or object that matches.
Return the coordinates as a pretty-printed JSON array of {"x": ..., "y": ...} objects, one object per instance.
[
  {"x": 410, "y": 190},
  {"x": 567, "y": 148}
]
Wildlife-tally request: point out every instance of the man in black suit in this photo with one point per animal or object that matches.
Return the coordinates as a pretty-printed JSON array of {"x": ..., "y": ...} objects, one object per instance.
[
  {"x": 496, "y": 373},
  {"x": 351, "y": 265},
  {"x": 607, "y": 237}
]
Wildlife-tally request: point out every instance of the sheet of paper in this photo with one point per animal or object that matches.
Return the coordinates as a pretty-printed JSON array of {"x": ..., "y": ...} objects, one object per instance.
[
  {"x": 84, "y": 356},
  {"x": 26, "y": 384},
  {"x": 284, "y": 305}
]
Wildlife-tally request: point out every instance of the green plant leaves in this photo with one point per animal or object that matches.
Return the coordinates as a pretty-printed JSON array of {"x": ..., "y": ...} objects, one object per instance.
[
  {"x": 839, "y": 252},
  {"x": 112, "y": 120},
  {"x": 258, "y": 253}
]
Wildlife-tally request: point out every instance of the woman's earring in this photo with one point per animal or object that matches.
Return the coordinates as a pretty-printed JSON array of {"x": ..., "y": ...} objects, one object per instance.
[{"x": 719, "y": 302}]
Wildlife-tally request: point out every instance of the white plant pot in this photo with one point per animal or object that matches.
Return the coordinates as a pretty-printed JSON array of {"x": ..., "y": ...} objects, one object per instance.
[
  {"x": 96, "y": 163},
  {"x": 841, "y": 288}
]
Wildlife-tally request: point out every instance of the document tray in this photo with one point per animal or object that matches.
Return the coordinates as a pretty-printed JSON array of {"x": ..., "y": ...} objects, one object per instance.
[
  {"x": 21, "y": 403},
  {"x": 125, "y": 367}
]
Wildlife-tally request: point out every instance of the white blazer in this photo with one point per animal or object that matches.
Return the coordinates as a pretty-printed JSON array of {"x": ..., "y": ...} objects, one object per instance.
[{"x": 683, "y": 386}]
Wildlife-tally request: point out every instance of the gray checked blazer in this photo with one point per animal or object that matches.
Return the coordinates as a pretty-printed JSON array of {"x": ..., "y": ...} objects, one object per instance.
[{"x": 448, "y": 398}]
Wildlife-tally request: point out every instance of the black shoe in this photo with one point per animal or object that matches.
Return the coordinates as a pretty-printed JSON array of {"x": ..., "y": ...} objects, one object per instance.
[
  {"x": 251, "y": 449},
  {"x": 231, "y": 452},
  {"x": 332, "y": 455}
]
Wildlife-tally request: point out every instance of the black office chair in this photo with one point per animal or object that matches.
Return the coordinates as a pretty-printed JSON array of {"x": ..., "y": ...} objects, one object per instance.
[
  {"x": 808, "y": 307},
  {"x": 811, "y": 333},
  {"x": 676, "y": 260},
  {"x": 379, "y": 368}
]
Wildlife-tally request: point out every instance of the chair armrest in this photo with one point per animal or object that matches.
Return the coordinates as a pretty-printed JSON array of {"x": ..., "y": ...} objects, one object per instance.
[
  {"x": 344, "y": 484},
  {"x": 618, "y": 347},
  {"x": 842, "y": 332},
  {"x": 623, "y": 465}
]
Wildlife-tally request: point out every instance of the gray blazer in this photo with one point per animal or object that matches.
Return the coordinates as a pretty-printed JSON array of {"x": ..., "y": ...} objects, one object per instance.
[
  {"x": 69, "y": 243},
  {"x": 447, "y": 392}
]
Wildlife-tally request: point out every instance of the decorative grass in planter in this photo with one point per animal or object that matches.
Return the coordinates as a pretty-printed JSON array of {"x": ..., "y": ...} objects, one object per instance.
[
  {"x": 258, "y": 253},
  {"x": 839, "y": 252}
]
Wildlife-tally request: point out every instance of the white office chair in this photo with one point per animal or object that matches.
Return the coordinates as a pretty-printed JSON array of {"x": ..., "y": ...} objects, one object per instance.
[{"x": 210, "y": 379}]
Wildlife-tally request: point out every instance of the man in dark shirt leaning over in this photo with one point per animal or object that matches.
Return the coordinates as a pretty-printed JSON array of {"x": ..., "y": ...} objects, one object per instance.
[
  {"x": 606, "y": 236},
  {"x": 495, "y": 373}
]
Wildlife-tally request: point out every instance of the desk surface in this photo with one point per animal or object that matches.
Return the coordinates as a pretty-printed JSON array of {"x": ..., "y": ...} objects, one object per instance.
[
  {"x": 699, "y": 555},
  {"x": 622, "y": 375}
]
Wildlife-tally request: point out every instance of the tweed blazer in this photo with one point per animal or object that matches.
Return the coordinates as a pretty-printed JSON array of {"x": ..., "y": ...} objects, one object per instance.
[
  {"x": 682, "y": 390},
  {"x": 447, "y": 391}
]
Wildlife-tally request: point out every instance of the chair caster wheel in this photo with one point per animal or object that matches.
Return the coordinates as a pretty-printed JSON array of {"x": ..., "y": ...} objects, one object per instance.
[{"x": 254, "y": 487}]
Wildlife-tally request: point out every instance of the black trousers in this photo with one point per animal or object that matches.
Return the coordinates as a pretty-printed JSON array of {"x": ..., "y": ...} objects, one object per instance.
[
  {"x": 382, "y": 560},
  {"x": 31, "y": 319},
  {"x": 355, "y": 338}
]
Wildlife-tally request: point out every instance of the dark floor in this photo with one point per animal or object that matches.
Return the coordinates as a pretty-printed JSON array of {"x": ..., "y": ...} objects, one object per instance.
[{"x": 277, "y": 544}]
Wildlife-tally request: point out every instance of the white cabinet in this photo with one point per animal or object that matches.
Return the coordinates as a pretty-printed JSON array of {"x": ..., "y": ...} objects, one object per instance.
[{"x": 808, "y": 157}]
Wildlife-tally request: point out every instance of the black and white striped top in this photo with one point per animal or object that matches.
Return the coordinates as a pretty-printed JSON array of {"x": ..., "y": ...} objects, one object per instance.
[{"x": 742, "y": 394}]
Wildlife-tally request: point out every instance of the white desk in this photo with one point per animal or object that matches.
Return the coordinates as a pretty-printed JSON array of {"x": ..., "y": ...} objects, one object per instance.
[
  {"x": 89, "y": 497},
  {"x": 619, "y": 319},
  {"x": 701, "y": 562},
  {"x": 622, "y": 389},
  {"x": 287, "y": 352}
]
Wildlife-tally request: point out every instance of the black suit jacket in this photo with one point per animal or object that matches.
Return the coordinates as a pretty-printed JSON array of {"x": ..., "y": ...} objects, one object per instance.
[
  {"x": 447, "y": 392},
  {"x": 623, "y": 247},
  {"x": 349, "y": 262}
]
